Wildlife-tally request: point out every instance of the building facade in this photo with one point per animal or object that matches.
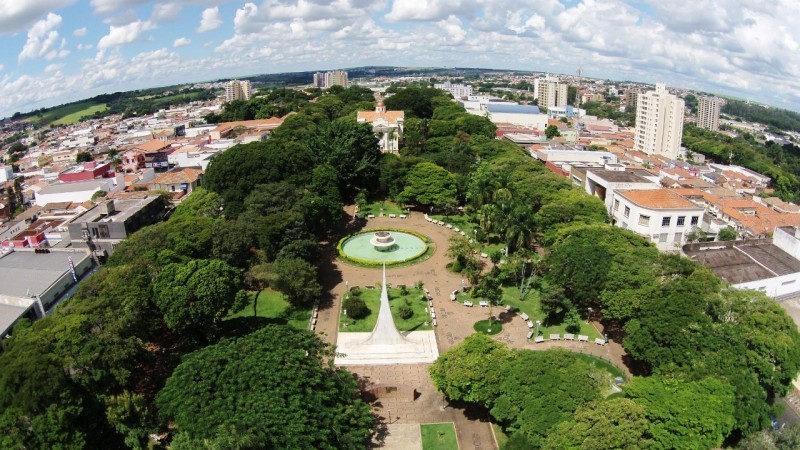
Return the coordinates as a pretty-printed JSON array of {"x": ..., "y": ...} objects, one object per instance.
[
  {"x": 660, "y": 215},
  {"x": 550, "y": 92},
  {"x": 659, "y": 123},
  {"x": 387, "y": 125},
  {"x": 238, "y": 90},
  {"x": 103, "y": 227},
  {"x": 332, "y": 78},
  {"x": 708, "y": 112},
  {"x": 456, "y": 90}
]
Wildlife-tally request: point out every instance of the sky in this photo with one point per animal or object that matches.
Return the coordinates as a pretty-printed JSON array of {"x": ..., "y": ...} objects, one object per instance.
[{"x": 56, "y": 51}]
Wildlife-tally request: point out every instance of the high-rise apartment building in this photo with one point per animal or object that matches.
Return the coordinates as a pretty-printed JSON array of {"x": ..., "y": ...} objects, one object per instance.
[
  {"x": 550, "y": 91},
  {"x": 708, "y": 112},
  {"x": 332, "y": 78},
  {"x": 630, "y": 99},
  {"x": 457, "y": 90},
  {"x": 238, "y": 90},
  {"x": 659, "y": 123}
]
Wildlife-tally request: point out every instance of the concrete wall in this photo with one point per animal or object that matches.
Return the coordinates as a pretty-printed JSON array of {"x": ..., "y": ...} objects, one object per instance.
[
  {"x": 787, "y": 242},
  {"x": 775, "y": 287}
]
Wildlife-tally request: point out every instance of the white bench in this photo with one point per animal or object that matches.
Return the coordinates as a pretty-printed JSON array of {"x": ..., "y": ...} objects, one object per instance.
[
  {"x": 569, "y": 337},
  {"x": 538, "y": 339},
  {"x": 370, "y": 216},
  {"x": 599, "y": 341},
  {"x": 434, "y": 322},
  {"x": 433, "y": 315},
  {"x": 583, "y": 338},
  {"x": 462, "y": 233},
  {"x": 484, "y": 255},
  {"x": 483, "y": 303},
  {"x": 530, "y": 324},
  {"x": 468, "y": 303},
  {"x": 530, "y": 334},
  {"x": 555, "y": 337},
  {"x": 453, "y": 297},
  {"x": 403, "y": 216},
  {"x": 449, "y": 226},
  {"x": 524, "y": 317},
  {"x": 456, "y": 229},
  {"x": 392, "y": 216}
]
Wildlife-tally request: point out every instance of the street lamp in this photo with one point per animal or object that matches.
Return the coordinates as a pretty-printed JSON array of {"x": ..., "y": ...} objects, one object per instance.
[
  {"x": 538, "y": 322},
  {"x": 589, "y": 317}
]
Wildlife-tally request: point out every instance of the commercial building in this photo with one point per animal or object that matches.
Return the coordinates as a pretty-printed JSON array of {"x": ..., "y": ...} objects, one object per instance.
[
  {"x": 34, "y": 281},
  {"x": 6, "y": 173},
  {"x": 659, "y": 215},
  {"x": 238, "y": 90},
  {"x": 524, "y": 115},
  {"x": 79, "y": 191},
  {"x": 103, "y": 227},
  {"x": 659, "y": 123},
  {"x": 550, "y": 91},
  {"x": 708, "y": 112}
]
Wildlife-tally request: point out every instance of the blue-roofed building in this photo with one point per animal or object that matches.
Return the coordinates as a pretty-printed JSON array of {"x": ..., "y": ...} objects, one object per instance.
[{"x": 525, "y": 115}]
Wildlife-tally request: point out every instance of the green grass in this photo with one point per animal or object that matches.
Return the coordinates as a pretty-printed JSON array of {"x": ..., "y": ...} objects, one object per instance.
[
  {"x": 439, "y": 436},
  {"x": 485, "y": 327},
  {"x": 375, "y": 208},
  {"x": 467, "y": 224},
  {"x": 372, "y": 297},
  {"x": 272, "y": 305},
  {"x": 531, "y": 306},
  {"x": 603, "y": 364},
  {"x": 76, "y": 116},
  {"x": 500, "y": 435}
]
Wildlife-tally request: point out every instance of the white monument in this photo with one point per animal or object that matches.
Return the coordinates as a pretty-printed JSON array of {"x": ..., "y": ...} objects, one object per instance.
[{"x": 385, "y": 344}]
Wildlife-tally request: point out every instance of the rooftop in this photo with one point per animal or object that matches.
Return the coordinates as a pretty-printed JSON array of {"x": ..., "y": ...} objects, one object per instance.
[
  {"x": 659, "y": 199},
  {"x": 25, "y": 273},
  {"x": 616, "y": 176},
  {"x": 75, "y": 186},
  {"x": 744, "y": 261},
  {"x": 512, "y": 109},
  {"x": 123, "y": 209}
]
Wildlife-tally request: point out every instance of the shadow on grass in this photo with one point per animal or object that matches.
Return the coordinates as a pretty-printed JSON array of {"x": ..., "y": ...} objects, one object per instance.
[
  {"x": 407, "y": 332},
  {"x": 241, "y": 326}
]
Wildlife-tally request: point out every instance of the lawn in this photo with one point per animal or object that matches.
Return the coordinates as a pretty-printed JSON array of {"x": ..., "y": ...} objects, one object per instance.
[
  {"x": 530, "y": 305},
  {"x": 272, "y": 305},
  {"x": 500, "y": 435},
  {"x": 372, "y": 297},
  {"x": 467, "y": 224},
  {"x": 602, "y": 364},
  {"x": 76, "y": 116},
  {"x": 439, "y": 436},
  {"x": 375, "y": 208}
]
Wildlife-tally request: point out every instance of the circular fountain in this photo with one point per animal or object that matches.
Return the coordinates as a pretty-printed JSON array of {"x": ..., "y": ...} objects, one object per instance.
[
  {"x": 378, "y": 247},
  {"x": 383, "y": 241}
]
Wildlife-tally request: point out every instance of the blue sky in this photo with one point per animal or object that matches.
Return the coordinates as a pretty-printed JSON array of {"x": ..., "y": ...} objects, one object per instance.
[{"x": 55, "y": 51}]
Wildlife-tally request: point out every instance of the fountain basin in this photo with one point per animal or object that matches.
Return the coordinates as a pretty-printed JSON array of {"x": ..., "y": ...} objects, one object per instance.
[{"x": 376, "y": 247}]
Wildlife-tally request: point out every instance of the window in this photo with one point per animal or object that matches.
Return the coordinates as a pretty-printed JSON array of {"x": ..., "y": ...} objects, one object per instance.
[
  {"x": 678, "y": 238},
  {"x": 681, "y": 220},
  {"x": 662, "y": 237},
  {"x": 644, "y": 220},
  {"x": 616, "y": 205},
  {"x": 695, "y": 220},
  {"x": 627, "y": 212},
  {"x": 665, "y": 221}
]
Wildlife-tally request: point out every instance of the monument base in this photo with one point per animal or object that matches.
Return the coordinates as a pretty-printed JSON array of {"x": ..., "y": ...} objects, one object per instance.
[{"x": 420, "y": 347}]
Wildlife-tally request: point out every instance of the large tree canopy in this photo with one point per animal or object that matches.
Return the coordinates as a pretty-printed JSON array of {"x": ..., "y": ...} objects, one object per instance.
[
  {"x": 273, "y": 388},
  {"x": 430, "y": 185}
]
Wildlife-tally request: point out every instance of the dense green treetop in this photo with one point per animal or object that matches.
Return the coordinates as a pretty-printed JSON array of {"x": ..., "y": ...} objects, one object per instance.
[
  {"x": 272, "y": 385},
  {"x": 618, "y": 423},
  {"x": 429, "y": 185}
]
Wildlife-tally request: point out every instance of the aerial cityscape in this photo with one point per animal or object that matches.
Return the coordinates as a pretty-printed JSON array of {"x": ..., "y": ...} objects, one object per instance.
[{"x": 421, "y": 225}]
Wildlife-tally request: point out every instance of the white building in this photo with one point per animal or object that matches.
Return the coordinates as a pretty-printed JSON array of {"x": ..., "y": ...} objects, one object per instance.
[
  {"x": 524, "y": 115},
  {"x": 708, "y": 112},
  {"x": 550, "y": 91},
  {"x": 6, "y": 173},
  {"x": 238, "y": 90},
  {"x": 659, "y": 123},
  {"x": 661, "y": 215},
  {"x": 456, "y": 90},
  {"x": 603, "y": 183},
  {"x": 388, "y": 125},
  {"x": 332, "y": 78},
  {"x": 79, "y": 191}
]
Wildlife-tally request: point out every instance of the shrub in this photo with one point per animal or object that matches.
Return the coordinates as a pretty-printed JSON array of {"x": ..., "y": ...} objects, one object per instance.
[
  {"x": 403, "y": 289},
  {"x": 573, "y": 321},
  {"x": 355, "y": 307},
  {"x": 405, "y": 312},
  {"x": 355, "y": 291}
]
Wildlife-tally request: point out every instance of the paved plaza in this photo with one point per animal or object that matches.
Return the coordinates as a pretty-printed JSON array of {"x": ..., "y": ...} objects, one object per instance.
[{"x": 454, "y": 324}]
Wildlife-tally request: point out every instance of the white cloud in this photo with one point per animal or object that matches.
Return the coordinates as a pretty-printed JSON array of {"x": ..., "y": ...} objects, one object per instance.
[
  {"x": 80, "y": 32},
  {"x": 2, "y": 67},
  {"x": 82, "y": 47},
  {"x": 16, "y": 15},
  {"x": 181, "y": 41},
  {"x": 425, "y": 10},
  {"x": 107, "y": 6},
  {"x": 125, "y": 34},
  {"x": 165, "y": 12},
  {"x": 210, "y": 20},
  {"x": 42, "y": 39}
]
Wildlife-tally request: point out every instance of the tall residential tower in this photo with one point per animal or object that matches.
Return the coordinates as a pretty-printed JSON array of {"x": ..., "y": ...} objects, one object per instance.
[
  {"x": 238, "y": 90},
  {"x": 659, "y": 123},
  {"x": 708, "y": 112},
  {"x": 550, "y": 92}
]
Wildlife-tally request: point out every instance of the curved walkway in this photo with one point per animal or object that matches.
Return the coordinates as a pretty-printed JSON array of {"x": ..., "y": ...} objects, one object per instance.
[{"x": 454, "y": 321}]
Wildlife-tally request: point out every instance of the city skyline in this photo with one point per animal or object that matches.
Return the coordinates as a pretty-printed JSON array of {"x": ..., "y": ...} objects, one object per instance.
[{"x": 58, "y": 51}]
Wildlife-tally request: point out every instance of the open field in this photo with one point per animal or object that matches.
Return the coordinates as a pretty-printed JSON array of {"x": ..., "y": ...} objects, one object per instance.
[
  {"x": 372, "y": 297},
  {"x": 439, "y": 436},
  {"x": 273, "y": 306},
  {"x": 75, "y": 117}
]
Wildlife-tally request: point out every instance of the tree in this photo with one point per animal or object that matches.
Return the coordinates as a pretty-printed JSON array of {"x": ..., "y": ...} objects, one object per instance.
[
  {"x": 554, "y": 303},
  {"x": 196, "y": 296},
  {"x": 619, "y": 423},
  {"x": 297, "y": 280},
  {"x": 469, "y": 371},
  {"x": 683, "y": 413},
  {"x": 727, "y": 234},
  {"x": 257, "y": 278},
  {"x": 271, "y": 384},
  {"x": 430, "y": 185},
  {"x": 551, "y": 132},
  {"x": 84, "y": 157},
  {"x": 200, "y": 203},
  {"x": 787, "y": 438},
  {"x": 129, "y": 415},
  {"x": 355, "y": 307}
]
